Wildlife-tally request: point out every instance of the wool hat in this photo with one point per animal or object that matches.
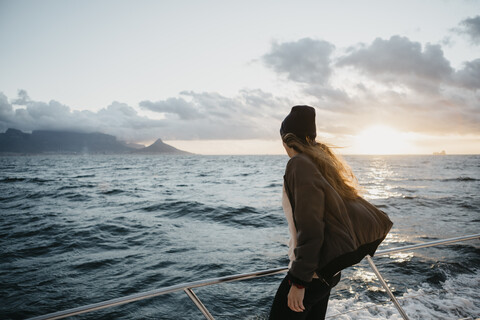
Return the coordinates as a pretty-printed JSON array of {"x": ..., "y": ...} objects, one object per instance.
[{"x": 301, "y": 122}]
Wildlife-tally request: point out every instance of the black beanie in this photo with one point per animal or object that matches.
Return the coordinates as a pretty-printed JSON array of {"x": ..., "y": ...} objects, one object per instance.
[{"x": 301, "y": 122}]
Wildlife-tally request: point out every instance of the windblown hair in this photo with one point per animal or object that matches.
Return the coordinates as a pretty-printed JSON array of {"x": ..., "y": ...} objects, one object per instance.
[{"x": 336, "y": 172}]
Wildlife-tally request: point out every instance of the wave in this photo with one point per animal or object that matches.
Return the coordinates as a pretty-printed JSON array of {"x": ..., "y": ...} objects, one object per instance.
[
  {"x": 245, "y": 216},
  {"x": 76, "y": 187},
  {"x": 33, "y": 180},
  {"x": 70, "y": 221},
  {"x": 454, "y": 298},
  {"x": 112, "y": 192},
  {"x": 94, "y": 265},
  {"x": 397, "y": 180},
  {"x": 275, "y": 185},
  {"x": 244, "y": 174},
  {"x": 71, "y": 196},
  {"x": 460, "y": 179},
  {"x": 11, "y": 180},
  {"x": 428, "y": 201},
  {"x": 85, "y": 176},
  {"x": 113, "y": 229},
  {"x": 40, "y": 195}
]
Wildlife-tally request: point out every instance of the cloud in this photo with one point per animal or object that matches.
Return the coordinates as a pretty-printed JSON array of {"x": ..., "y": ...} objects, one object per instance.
[
  {"x": 117, "y": 119},
  {"x": 469, "y": 76},
  {"x": 6, "y": 109},
  {"x": 401, "y": 61},
  {"x": 471, "y": 28},
  {"x": 305, "y": 60},
  {"x": 395, "y": 81},
  {"x": 178, "y": 106},
  {"x": 23, "y": 98},
  {"x": 252, "y": 114},
  {"x": 209, "y": 115}
]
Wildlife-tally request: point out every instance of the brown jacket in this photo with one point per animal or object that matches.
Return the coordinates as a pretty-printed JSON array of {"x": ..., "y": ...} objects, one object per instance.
[{"x": 332, "y": 233}]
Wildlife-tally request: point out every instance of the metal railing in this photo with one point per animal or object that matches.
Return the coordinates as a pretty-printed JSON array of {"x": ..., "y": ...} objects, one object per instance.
[{"x": 188, "y": 287}]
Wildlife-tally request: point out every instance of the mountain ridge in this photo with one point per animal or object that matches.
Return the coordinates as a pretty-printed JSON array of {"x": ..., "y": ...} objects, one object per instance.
[
  {"x": 14, "y": 141},
  {"x": 160, "y": 147}
]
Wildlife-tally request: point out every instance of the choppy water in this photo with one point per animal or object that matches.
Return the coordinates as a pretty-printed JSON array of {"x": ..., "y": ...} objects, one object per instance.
[{"x": 76, "y": 230}]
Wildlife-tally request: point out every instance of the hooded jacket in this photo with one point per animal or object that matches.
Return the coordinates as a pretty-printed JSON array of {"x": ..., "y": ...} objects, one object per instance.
[{"x": 332, "y": 233}]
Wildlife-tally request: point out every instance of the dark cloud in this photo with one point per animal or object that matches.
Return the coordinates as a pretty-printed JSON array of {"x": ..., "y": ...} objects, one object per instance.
[
  {"x": 471, "y": 28},
  {"x": 309, "y": 63},
  {"x": 6, "y": 110},
  {"x": 209, "y": 115},
  {"x": 117, "y": 119},
  {"x": 405, "y": 84},
  {"x": 251, "y": 114},
  {"x": 469, "y": 76},
  {"x": 401, "y": 61},
  {"x": 305, "y": 60}
]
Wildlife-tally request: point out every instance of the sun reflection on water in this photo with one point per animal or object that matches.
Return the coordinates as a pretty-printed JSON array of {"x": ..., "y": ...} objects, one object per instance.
[
  {"x": 402, "y": 256},
  {"x": 380, "y": 192},
  {"x": 365, "y": 276},
  {"x": 377, "y": 177}
]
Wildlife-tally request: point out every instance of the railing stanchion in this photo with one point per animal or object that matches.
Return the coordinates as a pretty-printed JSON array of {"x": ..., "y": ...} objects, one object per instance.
[
  {"x": 198, "y": 303},
  {"x": 384, "y": 284}
]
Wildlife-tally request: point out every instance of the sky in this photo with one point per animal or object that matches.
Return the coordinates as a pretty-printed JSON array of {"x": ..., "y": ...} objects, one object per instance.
[{"x": 218, "y": 77}]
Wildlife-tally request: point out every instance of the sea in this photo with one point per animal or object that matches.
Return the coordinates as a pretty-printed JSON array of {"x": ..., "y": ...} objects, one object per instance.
[{"x": 81, "y": 229}]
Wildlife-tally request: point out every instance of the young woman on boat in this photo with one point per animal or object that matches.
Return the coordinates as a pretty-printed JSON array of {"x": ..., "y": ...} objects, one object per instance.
[{"x": 331, "y": 226}]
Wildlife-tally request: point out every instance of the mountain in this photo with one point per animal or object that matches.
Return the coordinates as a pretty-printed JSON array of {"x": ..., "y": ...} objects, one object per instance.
[
  {"x": 43, "y": 141},
  {"x": 160, "y": 147},
  {"x": 135, "y": 145}
]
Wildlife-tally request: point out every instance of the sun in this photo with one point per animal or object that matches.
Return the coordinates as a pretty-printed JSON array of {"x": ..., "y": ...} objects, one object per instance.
[{"x": 381, "y": 139}]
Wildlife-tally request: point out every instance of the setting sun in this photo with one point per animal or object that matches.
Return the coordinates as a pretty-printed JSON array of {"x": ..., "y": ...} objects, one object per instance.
[{"x": 381, "y": 140}]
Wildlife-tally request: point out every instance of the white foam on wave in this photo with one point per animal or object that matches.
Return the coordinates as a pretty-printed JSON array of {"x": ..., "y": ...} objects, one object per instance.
[{"x": 459, "y": 298}]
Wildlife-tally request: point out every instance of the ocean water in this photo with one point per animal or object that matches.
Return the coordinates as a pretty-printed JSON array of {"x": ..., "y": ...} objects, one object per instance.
[{"x": 76, "y": 230}]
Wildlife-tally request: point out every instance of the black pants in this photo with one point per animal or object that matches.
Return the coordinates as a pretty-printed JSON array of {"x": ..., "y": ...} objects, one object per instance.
[{"x": 315, "y": 301}]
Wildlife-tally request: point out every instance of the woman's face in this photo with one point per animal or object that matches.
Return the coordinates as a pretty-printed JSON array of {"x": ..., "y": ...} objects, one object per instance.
[{"x": 290, "y": 151}]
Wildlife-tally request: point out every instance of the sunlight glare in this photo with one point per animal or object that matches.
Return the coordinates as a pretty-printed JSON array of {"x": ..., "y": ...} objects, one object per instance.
[{"x": 381, "y": 140}]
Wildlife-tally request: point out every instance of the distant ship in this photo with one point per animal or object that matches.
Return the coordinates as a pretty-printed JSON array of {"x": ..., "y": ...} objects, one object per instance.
[{"x": 441, "y": 153}]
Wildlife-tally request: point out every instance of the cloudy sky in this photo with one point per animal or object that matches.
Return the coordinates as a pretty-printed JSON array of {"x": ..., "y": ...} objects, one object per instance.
[{"x": 218, "y": 77}]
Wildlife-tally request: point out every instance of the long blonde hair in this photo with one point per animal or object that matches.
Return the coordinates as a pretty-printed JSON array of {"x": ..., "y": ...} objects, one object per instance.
[{"x": 336, "y": 172}]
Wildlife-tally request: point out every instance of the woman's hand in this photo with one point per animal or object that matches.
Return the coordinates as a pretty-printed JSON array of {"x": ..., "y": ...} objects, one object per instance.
[{"x": 295, "y": 299}]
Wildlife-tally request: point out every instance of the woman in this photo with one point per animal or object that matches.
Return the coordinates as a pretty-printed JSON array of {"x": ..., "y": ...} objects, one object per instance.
[{"x": 331, "y": 226}]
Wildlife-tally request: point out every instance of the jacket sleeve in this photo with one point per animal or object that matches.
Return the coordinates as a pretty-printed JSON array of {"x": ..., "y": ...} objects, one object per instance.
[{"x": 303, "y": 181}]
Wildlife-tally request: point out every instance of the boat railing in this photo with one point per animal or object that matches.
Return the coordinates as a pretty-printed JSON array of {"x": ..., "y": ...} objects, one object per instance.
[{"x": 189, "y": 286}]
